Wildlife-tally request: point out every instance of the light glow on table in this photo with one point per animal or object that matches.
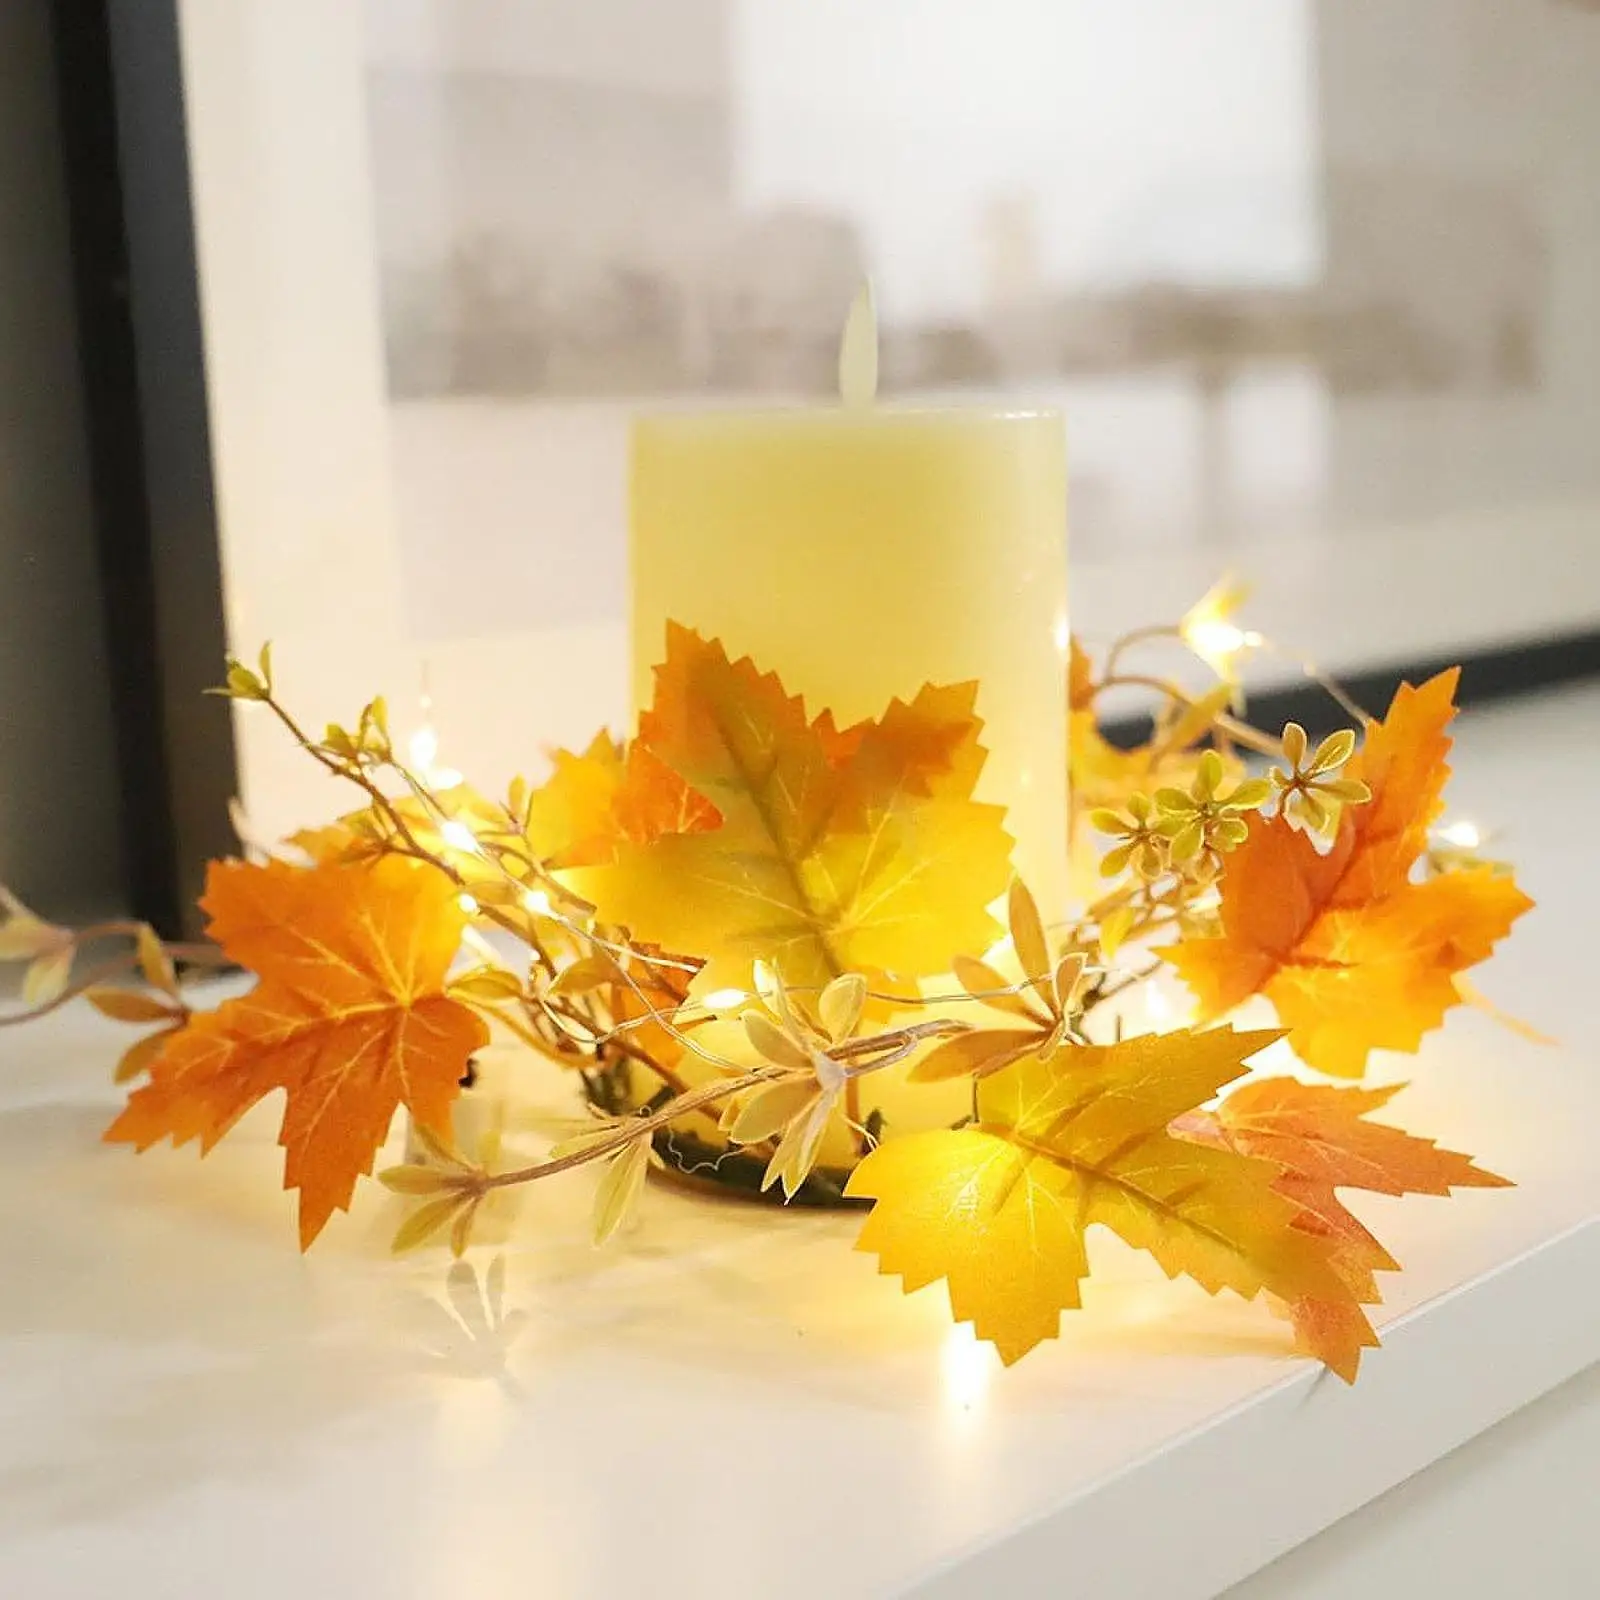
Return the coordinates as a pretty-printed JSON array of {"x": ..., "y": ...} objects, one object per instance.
[{"x": 966, "y": 1368}]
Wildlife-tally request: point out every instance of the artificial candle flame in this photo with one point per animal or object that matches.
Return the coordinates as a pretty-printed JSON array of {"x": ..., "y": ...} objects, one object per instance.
[{"x": 858, "y": 351}]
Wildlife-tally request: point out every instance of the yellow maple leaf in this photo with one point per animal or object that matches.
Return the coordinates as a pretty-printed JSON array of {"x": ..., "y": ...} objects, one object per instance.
[
  {"x": 1000, "y": 1209},
  {"x": 570, "y": 809},
  {"x": 349, "y": 1016},
  {"x": 1355, "y": 955},
  {"x": 853, "y": 851}
]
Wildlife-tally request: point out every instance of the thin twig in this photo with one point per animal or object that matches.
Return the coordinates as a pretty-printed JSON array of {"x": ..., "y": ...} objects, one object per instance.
[
  {"x": 1242, "y": 732},
  {"x": 91, "y": 979},
  {"x": 1167, "y": 630},
  {"x": 634, "y": 1128}
]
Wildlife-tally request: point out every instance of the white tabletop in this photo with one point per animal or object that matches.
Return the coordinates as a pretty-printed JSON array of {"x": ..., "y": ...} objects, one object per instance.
[{"x": 732, "y": 1403}]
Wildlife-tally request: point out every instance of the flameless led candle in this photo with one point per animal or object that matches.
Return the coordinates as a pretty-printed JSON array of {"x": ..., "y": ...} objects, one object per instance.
[{"x": 863, "y": 550}]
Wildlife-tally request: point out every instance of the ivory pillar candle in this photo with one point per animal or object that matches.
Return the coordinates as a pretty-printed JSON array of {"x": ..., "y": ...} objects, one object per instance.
[{"x": 862, "y": 551}]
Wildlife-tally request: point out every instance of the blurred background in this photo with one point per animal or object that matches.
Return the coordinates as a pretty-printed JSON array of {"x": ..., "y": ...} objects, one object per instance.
[
  {"x": 324, "y": 325},
  {"x": 1291, "y": 270}
]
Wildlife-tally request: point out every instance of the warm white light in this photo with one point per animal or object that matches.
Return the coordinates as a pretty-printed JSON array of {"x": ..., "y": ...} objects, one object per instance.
[
  {"x": 725, "y": 999},
  {"x": 458, "y": 835},
  {"x": 1063, "y": 636},
  {"x": 1162, "y": 1008},
  {"x": 1463, "y": 835},
  {"x": 468, "y": 903},
  {"x": 536, "y": 901},
  {"x": 1207, "y": 630},
  {"x": 1214, "y": 640},
  {"x": 424, "y": 748},
  {"x": 1156, "y": 1004},
  {"x": 966, "y": 1366}
]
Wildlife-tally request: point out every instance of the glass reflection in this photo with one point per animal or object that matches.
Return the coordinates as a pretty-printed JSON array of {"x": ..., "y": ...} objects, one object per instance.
[{"x": 1292, "y": 269}]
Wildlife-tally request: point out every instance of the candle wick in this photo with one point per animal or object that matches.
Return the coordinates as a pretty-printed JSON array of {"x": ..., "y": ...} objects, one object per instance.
[{"x": 858, "y": 351}]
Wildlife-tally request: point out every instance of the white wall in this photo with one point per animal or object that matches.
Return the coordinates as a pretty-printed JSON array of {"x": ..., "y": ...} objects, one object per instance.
[{"x": 1459, "y": 140}]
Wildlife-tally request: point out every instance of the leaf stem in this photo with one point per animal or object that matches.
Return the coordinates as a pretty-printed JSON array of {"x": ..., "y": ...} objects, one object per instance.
[
  {"x": 634, "y": 1128},
  {"x": 93, "y": 977}
]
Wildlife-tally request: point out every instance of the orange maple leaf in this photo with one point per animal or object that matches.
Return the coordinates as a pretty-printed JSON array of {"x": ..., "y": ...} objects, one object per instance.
[
  {"x": 654, "y": 800},
  {"x": 1318, "y": 1137},
  {"x": 573, "y": 805},
  {"x": 349, "y": 1016},
  {"x": 1080, "y": 678},
  {"x": 592, "y": 800},
  {"x": 832, "y": 851},
  {"x": 1355, "y": 955}
]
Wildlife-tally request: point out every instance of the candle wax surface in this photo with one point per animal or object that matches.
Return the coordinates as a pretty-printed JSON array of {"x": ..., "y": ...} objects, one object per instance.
[{"x": 860, "y": 553}]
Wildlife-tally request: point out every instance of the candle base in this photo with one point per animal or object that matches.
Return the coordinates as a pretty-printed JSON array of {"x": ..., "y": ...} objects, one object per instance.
[
  {"x": 718, "y": 1170},
  {"x": 706, "y": 1165}
]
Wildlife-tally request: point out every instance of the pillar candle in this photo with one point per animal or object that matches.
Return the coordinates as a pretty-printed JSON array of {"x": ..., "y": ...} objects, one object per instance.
[{"x": 861, "y": 552}]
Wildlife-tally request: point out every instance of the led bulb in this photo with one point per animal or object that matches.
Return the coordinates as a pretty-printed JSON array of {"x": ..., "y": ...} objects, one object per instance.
[
  {"x": 458, "y": 835},
  {"x": 1156, "y": 1004},
  {"x": 1215, "y": 641},
  {"x": 424, "y": 748}
]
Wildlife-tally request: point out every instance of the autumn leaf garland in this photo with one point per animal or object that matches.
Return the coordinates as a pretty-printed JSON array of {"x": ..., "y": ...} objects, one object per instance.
[{"x": 742, "y": 845}]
